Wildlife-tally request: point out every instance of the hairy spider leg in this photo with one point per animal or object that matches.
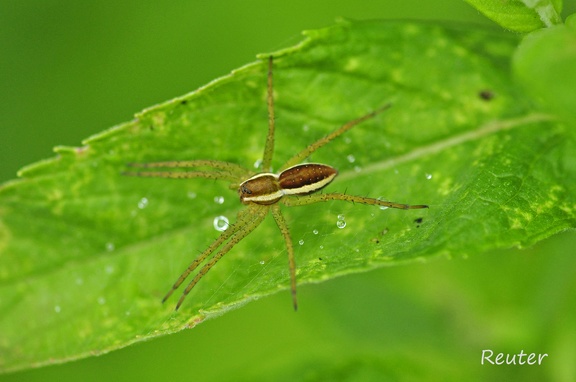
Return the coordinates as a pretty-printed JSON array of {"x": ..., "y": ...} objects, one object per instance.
[
  {"x": 228, "y": 166},
  {"x": 292, "y": 201},
  {"x": 298, "y": 158},
  {"x": 223, "y": 170},
  {"x": 269, "y": 146},
  {"x": 231, "y": 230},
  {"x": 296, "y": 200},
  {"x": 279, "y": 218},
  {"x": 246, "y": 221}
]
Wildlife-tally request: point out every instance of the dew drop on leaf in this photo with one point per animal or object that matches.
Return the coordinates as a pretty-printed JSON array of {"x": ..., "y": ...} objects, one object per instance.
[
  {"x": 341, "y": 223},
  {"x": 143, "y": 203},
  {"x": 221, "y": 223}
]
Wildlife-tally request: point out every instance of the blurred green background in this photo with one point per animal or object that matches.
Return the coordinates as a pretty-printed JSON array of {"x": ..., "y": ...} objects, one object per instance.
[{"x": 70, "y": 69}]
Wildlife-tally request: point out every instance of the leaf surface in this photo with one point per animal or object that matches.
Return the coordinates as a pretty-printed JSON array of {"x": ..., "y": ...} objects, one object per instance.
[
  {"x": 86, "y": 254},
  {"x": 521, "y": 15}
]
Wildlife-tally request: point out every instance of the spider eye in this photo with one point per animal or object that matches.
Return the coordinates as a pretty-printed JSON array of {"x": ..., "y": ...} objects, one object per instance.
[{"x": 246, "y": 190}]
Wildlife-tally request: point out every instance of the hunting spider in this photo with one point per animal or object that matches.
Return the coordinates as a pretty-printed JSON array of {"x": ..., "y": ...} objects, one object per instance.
[{"x": 262, "y": 193}]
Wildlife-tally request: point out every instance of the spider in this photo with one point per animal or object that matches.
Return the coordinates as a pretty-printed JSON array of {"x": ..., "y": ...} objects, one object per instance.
[{"x": 262, "y": 193}]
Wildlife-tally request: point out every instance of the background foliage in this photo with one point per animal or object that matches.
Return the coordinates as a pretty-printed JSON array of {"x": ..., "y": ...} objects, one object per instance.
[{"x": 511, "y": 312}]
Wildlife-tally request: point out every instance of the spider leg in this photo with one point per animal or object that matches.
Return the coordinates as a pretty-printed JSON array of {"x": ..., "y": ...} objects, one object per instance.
[
  {"x": 231, "y": 230},
  {"x": 223, "y": 170},
  {"x": 269, "y": 147},
  {"x": 216, "y": 175},
  {"x": 315, "y": 198},
  {"x": 289, "y": 246},
  {"x": 298, "y": 158},
  {"x": 247, "y": 221},
  {"x": 219, "y": 165}
]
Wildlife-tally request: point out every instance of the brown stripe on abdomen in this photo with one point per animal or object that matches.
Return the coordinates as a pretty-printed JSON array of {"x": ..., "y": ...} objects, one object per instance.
[{"x": 306, "y": 178}]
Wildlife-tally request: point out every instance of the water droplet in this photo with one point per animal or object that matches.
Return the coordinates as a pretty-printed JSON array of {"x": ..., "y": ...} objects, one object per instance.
[
  {"x": 341, "y": 223},
  {"x": 262, "y": 262},
  {"x": 219, "y": 199},
  {"x": 258, "y": 163},
  {"x": 315, "y": 232},
  {"x": 347, "y": 140},
  {"x": 357, "y": 169},
  {"x": 305, "y": 128},
  {"x": 301, "y": 242},
  {"x": 109, "y": 269},
  {"x": 191, "y": 195},
  {"x": 321, "y": 247},
  {"x": 110, "y": 247},
  {"x": 221, "y": 223},
  {"x": 351, "y": 158},
  {"x": 57, "y": 309},
  {"x": 143, "y": 203},
  {"x": 428, "y": 176},
  {"x": 101, "y": 300}
]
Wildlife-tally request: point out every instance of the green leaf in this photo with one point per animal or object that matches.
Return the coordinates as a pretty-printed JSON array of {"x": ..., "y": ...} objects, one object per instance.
[
  {"x": 545, "y": 62},
  {"x": 521, "y": 15},
  {"x": 86, "y": 254}
]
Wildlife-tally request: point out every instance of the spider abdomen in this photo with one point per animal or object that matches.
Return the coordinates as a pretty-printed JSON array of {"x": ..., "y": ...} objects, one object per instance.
[
  {"x": 304, "y": 179},
  {"x": 267, "y": 188}
]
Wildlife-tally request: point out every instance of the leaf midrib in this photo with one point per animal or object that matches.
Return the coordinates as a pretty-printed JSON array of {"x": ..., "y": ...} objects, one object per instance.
[{"x": 423, "y": 151}]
